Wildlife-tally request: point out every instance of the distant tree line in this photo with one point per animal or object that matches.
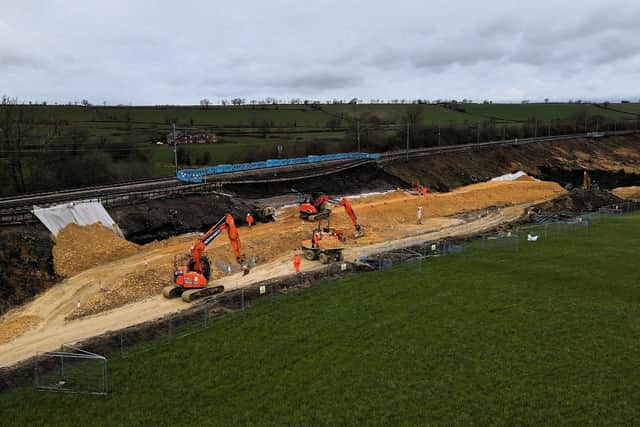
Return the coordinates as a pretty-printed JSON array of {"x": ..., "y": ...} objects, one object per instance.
[{"x": 38, "y": 157}]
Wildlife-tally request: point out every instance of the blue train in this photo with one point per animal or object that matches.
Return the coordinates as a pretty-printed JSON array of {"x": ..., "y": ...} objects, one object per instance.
[{"x": 196, "y": 176}]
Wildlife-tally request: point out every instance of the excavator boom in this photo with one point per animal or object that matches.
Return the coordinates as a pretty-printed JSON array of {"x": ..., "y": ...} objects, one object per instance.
[
  {"x": 352, "y": 215},
  {"x": 225, "y": 223}
]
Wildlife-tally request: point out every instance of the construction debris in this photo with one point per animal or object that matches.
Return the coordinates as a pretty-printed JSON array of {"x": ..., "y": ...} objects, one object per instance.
[{"x": 78, "y": 248}]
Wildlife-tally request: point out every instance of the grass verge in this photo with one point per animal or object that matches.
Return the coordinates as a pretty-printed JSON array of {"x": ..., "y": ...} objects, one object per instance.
[{"x": 546, "y": 334}]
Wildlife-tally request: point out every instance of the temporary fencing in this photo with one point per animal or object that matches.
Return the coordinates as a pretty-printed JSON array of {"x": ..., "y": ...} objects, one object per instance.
[
  {"x": 196, "y": 176},
  {"x": 71, "y": 370}
]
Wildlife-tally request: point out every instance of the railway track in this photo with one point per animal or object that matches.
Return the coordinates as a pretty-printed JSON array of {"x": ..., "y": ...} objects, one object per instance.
[
  {"x": 420, "y": 152},
  {"x": 17, "y": 209}
]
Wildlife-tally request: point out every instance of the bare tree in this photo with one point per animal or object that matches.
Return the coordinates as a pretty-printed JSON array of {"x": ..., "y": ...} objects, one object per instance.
[
  {"x": 412, "y": 117},
  {"x": 204, "y": 103},
  {"x": 266, "y": 126},
  {"x": 414, "y": 113},
  {"x": 14, "y": 130}
]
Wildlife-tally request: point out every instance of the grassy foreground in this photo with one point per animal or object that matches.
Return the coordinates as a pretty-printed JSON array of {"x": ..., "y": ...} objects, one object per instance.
[{"x": 549, "y": 334}]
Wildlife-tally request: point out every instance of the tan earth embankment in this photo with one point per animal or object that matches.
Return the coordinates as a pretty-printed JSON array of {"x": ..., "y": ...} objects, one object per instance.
[
  {"x": 78, "y": 248},
  {"x": 629, "y": 193}
]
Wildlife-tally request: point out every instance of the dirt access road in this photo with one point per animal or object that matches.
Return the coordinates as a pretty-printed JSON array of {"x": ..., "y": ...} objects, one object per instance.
[{"x": 127, "y": 291}]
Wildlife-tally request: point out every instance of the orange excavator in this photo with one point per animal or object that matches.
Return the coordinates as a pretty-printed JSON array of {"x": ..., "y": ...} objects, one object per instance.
[
  {"x": 352, "y": 216},
  {"x": 417, "y": 188},
  {"x": 192, "y": 272},
  {"x": 315, "y": 208}
]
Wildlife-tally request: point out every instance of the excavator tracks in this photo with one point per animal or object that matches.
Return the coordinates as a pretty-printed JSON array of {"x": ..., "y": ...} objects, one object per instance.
[
  {"x": 189, "y": 295},
  {"x": 194, "y": 294},
  {"x": 172, "y": 291}
]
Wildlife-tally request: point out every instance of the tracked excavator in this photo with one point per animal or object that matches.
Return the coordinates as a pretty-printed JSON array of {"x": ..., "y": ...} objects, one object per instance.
[
  {"x": 417, "y": 189},
  {"x": 315, "y": 208},
  {"x": 192, "y": 272}
]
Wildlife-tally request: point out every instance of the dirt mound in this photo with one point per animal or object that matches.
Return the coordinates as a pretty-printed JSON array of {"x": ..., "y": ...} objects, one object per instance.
[
  {"x": 78, "y": 248},
  {"x": 629, "y": 193},
  {"x": 12, "y": 328},
  {"x": 132, "y": 287},
  {"x": 579, "y": 200}
]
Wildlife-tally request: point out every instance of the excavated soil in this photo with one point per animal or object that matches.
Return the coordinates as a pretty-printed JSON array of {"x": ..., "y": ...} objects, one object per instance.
[
  {"x": 579, "y": 200},
  {"x": 79, "y": 248},
  {"x": 611, "y": 162},
  {"x": 628, "y": 193},
  {"x": 385, "y": 217},
  {"x": 26, "y": 264},
  {"x": 16, "y": 326}
]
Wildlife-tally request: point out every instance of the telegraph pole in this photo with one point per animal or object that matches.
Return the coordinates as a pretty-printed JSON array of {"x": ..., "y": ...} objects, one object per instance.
[
  {"x": 478, "y": 133},
  {"x": 358, "y": 133},
  {"x": 438, "y": 134},
  {"x": 175, "y": 151}
]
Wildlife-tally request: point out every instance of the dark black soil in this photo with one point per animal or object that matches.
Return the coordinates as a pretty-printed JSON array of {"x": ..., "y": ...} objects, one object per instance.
[
  {"x": 362, "y": 179},
  {"x": 26, "y": 264},
  {"x": 579, "y": 200},
  {"x": 160, "y": 219},
  {"x": 604, "y": 179}
]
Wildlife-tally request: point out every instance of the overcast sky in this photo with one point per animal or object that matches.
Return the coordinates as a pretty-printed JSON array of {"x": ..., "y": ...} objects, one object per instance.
[{"x": 169, "y": 52}]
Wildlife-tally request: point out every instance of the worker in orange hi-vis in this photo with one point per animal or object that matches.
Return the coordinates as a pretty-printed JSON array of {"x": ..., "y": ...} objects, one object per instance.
[
  {"x": 249, "y": 219},
  {"x": 296, "y": 263}
]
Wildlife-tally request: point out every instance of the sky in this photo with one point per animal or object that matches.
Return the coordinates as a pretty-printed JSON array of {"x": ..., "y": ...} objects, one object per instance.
[{"x": 147, "y": 52}]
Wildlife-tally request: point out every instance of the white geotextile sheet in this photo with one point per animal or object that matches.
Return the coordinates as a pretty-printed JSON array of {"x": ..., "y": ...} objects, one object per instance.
[
  {"x": 511, "y": 176},
  {"x": 87, "y": 212}
]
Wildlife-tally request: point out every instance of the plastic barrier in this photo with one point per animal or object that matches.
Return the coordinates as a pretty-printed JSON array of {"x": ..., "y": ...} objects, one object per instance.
[{"x": 196, "y": 176}]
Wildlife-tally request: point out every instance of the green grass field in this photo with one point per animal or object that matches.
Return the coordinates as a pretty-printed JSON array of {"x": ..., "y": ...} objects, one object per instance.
[{"x": 548, "y": 334}]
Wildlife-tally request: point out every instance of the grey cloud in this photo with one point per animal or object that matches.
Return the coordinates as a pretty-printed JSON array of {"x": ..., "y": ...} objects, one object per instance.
[
  {"x": 318, "y": 81},
  {"x": 148, "y": 52},
  {"x": 10, "y": 58}
]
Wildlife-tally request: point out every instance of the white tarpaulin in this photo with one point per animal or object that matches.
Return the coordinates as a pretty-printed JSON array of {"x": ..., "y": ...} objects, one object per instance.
[
  {"x": 511, "y": 176},
  {"x": 86, "y": 212}
]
